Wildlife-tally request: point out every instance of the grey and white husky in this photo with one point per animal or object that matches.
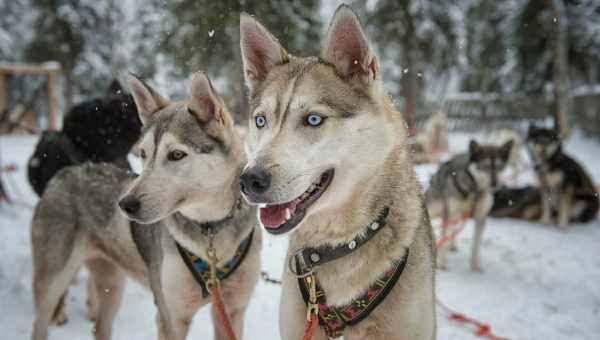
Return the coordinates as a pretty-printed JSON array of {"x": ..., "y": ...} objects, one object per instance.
[
  {"x": 187, "y": 192},
  {"x": 328, "y": 161},
  {"x": 464, "y": 186}
]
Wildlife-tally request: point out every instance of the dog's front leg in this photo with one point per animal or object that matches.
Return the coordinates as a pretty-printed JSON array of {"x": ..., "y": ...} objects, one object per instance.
[
  {"x": 442, "y": 252},
  {"x": 564, "y": 211},
  {"x": 546, "y": 217},
  {"x": 481, "y": 212},
  {"x": 236, "y": 317}
]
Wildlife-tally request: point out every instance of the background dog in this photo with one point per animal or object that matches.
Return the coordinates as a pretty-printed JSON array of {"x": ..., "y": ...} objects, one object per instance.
[
  {"x": 192, "y": 158},
  {"x": 327, "y": 152},
  {"x": 99, "y": 130},
  {"x": 566, "y": 187},
  {"x": 518, "y": 161},
  {"x": 464, "y": 187}
]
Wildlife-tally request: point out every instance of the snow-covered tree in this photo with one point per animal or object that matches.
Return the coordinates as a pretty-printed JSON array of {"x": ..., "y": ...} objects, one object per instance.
[
  {"x": 418, "y": 38},
  {"x": 206, "y": 35},
  {"x": 83, "y": 36}
]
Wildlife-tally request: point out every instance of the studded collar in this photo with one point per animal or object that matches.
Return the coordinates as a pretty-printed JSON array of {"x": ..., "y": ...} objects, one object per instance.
[{"x": 305, "y": 260}]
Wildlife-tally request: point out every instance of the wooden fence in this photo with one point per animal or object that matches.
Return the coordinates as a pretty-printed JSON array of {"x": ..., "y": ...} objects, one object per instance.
[{"x": 471, "y": 112}]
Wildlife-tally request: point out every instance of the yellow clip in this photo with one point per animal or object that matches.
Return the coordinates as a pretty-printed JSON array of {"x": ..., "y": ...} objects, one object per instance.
[
  {"x": 312, "y": 306},
  {"x": 212, "y": 257}
]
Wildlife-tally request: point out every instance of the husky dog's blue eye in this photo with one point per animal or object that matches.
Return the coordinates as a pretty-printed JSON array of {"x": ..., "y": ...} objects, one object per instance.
[
  {"x": 313, "y": 119},
  {"x": 260, "y": 121}
]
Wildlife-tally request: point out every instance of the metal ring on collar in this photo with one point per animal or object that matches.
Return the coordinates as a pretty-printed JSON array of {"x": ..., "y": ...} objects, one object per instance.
[{"x": 292, "y": 267}]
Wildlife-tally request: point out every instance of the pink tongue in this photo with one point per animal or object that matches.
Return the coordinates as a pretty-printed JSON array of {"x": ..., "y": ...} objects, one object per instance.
[{"x": 273, "y": 217}]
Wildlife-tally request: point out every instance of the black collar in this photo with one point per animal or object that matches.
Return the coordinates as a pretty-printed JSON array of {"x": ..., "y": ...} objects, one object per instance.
[
  {"x": 305, "y": 260},
  {"x": 212, "y": 227}
]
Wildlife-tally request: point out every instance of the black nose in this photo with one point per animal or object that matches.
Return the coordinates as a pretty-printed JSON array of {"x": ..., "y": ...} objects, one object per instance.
[
  {"x": 130, "y": 204},
  {"x": 255, "y": 181}
]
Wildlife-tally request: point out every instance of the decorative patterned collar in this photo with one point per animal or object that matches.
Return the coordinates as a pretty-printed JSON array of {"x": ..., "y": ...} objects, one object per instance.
[
  {"x": 334, "y": 319},
  {"x": 200, "y": 268}
]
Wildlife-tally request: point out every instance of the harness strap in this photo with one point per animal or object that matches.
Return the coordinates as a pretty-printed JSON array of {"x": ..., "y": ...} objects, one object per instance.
[
  {"x": 462, "y": 190},
  {"x": 306, "y": 259},
  {"x": 200, "y": 268},
  {"x": 334, "y": 319}
]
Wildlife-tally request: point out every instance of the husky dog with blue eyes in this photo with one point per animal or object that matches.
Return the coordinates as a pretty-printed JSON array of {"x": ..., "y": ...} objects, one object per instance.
[
  {"x": 155, "y": 228},
  {"x": 567, "y": 191},
  {"x": 464, "y": 186},
  {"x": 329, "y": 165}
]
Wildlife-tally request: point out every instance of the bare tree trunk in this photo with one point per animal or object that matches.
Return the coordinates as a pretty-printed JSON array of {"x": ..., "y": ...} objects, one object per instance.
[
  {"x": 410, "y": 83},
  {"x": 68, "y": 88},
  {"x": 560, "y": 72}
]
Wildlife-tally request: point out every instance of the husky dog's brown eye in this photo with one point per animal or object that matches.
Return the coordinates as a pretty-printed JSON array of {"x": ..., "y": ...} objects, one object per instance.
[
  {"x": 260, "y": 121},
  {"x": 176, "y": 155},
  {"x": 313, "y": 119},
  {"x": 143, "y": 154}
]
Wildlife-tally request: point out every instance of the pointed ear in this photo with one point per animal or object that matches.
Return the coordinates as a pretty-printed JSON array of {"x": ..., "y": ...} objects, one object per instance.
[
  {"x": 114, "y": 88},
  {"x": 506, "y": 148},
  {"x": 261, "y": 51},
  {"x": 146, "y": 99},
  {"x": 347, "y": 47},
  {"x": 474, "y": 149},
  {"x": 205, "y": 103}
]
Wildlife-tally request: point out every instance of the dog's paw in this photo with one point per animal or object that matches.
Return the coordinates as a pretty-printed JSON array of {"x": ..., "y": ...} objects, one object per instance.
[
  {"x": 476, "y": 268},
  {"x": 60, "y": 318},
  {"x": 92, "y": 311},
  {"x": 442, "y": 266}
]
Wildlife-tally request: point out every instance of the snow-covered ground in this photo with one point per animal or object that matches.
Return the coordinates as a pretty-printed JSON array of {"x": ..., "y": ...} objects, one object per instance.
[{"x": 539, "y": 283}]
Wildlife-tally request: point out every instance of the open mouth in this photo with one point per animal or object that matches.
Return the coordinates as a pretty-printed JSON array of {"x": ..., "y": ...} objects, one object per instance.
[{"x": 281, "y": 218}]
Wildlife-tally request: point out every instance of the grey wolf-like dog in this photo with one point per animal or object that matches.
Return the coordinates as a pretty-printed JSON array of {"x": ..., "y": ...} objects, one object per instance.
[
  {"x": 464, "y": 186},
  {"x": 192, "y": 158},
  {"x": 327, "y": 153}
]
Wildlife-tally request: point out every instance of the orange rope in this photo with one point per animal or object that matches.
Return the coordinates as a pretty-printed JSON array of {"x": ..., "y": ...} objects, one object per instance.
[
  {"x": 453, "y": 235},
  {"x": 217, "y": 299},
  {"x": 311, "y": 327},
  {"x": 481, "y": 329}
]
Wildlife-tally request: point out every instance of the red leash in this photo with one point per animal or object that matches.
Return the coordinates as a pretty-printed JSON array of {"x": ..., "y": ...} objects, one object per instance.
[
  {"x": 446, "y": 224},
  {"x": 481, "y": 329},
  {"x": 215, "y": 292},
  {"x": 217, "y": 301},
  {"x": 311, "y": 327}
]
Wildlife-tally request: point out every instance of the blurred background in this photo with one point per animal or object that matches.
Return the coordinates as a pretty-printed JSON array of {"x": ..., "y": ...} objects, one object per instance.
[
  {"x": 479, "y": 60},
  {"x": 458, "y": 70}
]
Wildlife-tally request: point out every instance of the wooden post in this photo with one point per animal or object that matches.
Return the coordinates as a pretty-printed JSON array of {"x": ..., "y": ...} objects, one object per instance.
[
  {"x": 560, "y": 69},
  {"x": 52, "y": 101},
  {"x": 3, "y": 93}
]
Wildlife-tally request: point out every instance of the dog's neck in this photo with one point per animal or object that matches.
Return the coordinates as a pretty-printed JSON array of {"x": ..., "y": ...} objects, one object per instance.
[
  {"x": 394, "y": 185},
  {"x": 231, "y": 226}
]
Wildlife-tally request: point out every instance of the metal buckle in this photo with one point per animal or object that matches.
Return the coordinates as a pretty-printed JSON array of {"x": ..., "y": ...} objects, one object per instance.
[
  {"x": 292, "y": 267},
  {"x": 312, "y": 306}
]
